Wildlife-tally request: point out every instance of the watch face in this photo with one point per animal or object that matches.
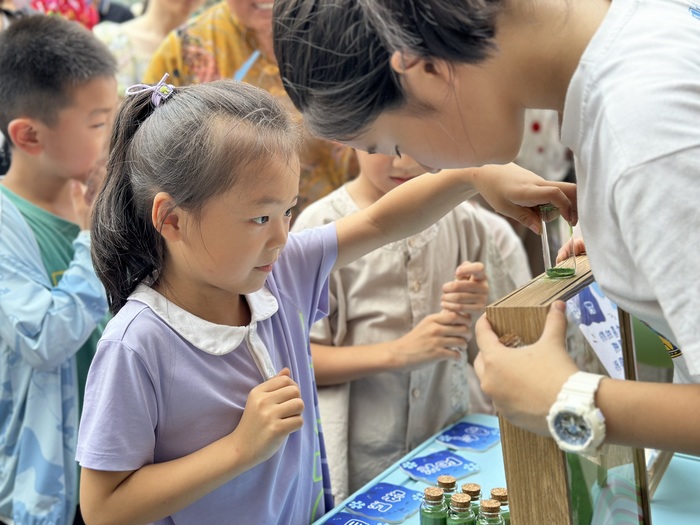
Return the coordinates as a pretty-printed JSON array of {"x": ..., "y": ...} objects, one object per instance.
[{"x": 572, "y": 428}]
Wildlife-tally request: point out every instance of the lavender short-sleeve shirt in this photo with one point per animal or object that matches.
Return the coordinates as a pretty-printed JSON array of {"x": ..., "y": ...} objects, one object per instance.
[{"x": 165, "y": 383}]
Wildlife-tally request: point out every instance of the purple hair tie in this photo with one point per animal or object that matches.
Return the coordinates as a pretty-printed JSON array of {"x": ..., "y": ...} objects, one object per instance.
[{"x": 161, "y": 90}]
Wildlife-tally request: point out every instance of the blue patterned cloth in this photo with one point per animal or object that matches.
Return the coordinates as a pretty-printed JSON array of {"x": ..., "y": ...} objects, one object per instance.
[{"x": 41, "y": 328}]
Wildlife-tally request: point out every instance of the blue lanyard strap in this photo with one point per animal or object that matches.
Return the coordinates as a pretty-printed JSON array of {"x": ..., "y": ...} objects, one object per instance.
[{"x": 245, "y": 68}]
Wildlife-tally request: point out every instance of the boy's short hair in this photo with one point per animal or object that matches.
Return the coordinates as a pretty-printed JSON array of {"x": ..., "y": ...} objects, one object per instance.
[{"x": 42, "y": 60}]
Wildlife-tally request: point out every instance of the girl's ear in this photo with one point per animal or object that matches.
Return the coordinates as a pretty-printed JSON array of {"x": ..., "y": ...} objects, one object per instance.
[
  {"x": 25, "y": 134},
  {"x": 167, "y": 217}
]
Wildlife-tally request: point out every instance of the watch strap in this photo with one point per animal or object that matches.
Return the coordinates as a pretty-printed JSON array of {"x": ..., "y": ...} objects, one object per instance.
[
  {"x": 579, "y": 391},
  {"x": 582, "y": 385}
]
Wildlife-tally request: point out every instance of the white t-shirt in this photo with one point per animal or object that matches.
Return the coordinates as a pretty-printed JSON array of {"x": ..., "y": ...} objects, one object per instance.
[{"x": 632, "y": 118}]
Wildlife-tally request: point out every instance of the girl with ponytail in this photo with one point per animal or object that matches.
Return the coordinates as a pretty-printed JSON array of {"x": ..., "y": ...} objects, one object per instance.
[{"x": 201, "y": 403}]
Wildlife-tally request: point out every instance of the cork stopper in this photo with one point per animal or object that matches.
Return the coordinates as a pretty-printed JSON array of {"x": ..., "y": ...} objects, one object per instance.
[
  {"x": 433, "y": 494},
  {"x": 549, "y": 212},
  {"x": 461, "y": 501},
  {"x": 511, "y": 340},
  {"x": 491, "y": 506},
  {"x": 473, "y": 489},
  {"x": 447, "y": 482},
  {"x": 500, "y": 494}
]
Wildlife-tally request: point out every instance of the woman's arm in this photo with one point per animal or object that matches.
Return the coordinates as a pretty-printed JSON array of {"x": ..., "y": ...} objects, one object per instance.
[{"x": 639, "y": 414}]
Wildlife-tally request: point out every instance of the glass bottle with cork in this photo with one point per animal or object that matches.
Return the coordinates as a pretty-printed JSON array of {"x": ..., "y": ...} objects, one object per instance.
[
  {"x": 474, "y": 492},
  {"x": 552, "y": 237},
  {"x": 460, "y": 511},
  {"x": 490, "y": 513},
  {"x": 433, "y": 510},
  {"x": 449, "y": 486},
  {"x": 501, "y": 494}
]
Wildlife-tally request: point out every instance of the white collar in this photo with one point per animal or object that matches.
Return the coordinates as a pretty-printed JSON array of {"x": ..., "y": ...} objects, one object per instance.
[{"x": 212, "y": 338}]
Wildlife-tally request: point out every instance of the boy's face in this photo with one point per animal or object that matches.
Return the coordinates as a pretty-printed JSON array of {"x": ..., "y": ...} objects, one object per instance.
[
  {"x": 78, "y": 143},
  {"x": 382, "y": 173}
]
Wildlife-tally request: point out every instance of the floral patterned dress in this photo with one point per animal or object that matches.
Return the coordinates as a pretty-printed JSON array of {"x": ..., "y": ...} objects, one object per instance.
[{"x": 215, "y": 46}]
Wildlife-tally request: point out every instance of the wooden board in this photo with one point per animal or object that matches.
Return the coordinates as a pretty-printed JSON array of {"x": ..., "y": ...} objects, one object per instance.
[
  {"x": 535, "y": 468},
  {"x": 534, "y": 465}
]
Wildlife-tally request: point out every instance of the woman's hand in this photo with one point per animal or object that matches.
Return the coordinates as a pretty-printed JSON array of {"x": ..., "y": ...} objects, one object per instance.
[
  {"x": 516, "y": 192},
  {"x": 524, "y": 382}
]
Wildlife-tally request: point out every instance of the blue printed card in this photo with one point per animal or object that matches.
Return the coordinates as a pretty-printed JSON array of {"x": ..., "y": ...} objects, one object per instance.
[
  {"x": 345, "y": 518},
  {"x": 387, "y": 503},
  {"x": 428, "y": 468},
  {"x": 470, "y": 436}
]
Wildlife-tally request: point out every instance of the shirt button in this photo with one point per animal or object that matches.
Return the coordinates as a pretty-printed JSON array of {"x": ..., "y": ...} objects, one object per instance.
[
  {"x": 416, "y": 286},
  {"x": 415, "y": 392}
]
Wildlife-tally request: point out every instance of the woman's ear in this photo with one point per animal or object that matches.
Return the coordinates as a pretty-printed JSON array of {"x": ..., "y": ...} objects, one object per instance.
[
  {"x": 25, "y": 135},
  {"x": 423, "y": 78},
  {"x": 401, "y": 61},
  {"x": 166, "y": 217}
]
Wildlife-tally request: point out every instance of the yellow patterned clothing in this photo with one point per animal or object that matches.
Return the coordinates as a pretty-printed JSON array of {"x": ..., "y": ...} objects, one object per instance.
[{"x": 214, "y": 46}]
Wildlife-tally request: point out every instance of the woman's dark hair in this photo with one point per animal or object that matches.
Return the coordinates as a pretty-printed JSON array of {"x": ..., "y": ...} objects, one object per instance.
[
  {"x": 334, "y": 55},
  {"x": 195, "y": 145}
]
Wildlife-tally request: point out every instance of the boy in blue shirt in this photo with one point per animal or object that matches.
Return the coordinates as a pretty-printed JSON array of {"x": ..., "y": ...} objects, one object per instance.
[{"x": 57, "y": 96}]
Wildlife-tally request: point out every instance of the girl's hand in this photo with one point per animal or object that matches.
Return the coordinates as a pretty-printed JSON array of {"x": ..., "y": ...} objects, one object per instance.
[
  {"x": 437, "y": 337},
  {"x": 272, "y": 412},
  {"x": 516, "y": 192},
  {"x": 524, "y": 382},
  {"x": 468, "y": 293}
]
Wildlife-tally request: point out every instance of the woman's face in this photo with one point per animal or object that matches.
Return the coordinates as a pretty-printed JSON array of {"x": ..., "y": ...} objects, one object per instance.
[
  {"x": 466, "y": 118},
  {"x": 256, "y": 15}
]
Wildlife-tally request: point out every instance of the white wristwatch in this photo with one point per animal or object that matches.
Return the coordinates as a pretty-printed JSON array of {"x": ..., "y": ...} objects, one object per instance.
[{"x": 576, "y": 424}]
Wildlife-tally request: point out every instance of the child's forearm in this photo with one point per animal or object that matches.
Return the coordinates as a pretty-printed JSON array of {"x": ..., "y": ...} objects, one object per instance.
[
  {"x": 334, "y": 365},
  {"x": 161, "y": 489}
]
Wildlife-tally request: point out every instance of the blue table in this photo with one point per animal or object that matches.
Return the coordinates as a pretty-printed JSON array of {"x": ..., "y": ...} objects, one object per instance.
[
  {"x": 676, "y": 501},
  {"x": 677, "y": 498},
  {"x": 492, "y": 473}
]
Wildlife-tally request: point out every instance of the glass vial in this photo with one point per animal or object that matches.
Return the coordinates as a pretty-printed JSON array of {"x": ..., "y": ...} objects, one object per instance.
[
  {"x": 433, "y": 510},
  {"x": 460, "y": 511},
  {"x": 552, "y": 240},
  {"x": 490, "y": 513},
  {"x": 501, "y": 495},
  {"x": 474, "y": 492},
  {"x": 449, "y": 486}
]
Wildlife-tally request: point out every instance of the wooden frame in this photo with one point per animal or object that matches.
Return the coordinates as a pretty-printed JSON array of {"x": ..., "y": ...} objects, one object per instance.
[{"x": 537, "y": 471}]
